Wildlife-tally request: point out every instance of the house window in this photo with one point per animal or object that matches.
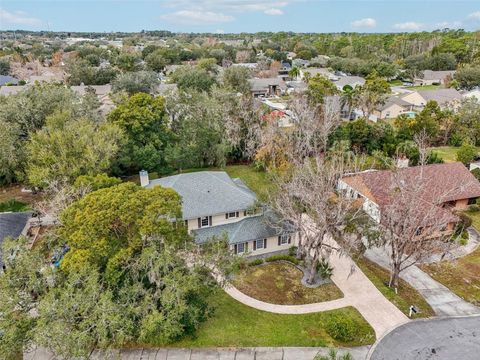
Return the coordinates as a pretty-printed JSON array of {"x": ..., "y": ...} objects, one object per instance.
[
  {"x": 284, "y": 239},
  {"x": 233, "y": 214},
  {"x": 204, "y": 222},
  {"x": 260, "y": 244},
  {"x": 240, "y": 248}
]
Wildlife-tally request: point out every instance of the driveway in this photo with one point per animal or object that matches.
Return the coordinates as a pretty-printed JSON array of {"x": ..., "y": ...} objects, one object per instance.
[
  {"x": 433, "y": 339},
  {"x": 443, "y": 301}
]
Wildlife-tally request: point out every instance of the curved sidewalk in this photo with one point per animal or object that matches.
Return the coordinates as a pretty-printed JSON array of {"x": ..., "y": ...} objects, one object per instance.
[{"x": 358, "y": 292}]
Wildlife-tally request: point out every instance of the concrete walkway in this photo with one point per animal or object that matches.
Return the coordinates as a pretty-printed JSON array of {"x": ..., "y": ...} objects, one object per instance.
[
  {"x": 259, "y": 353},
  {"x": 358, "y": 291},
  {"x": 439, "y": 297}
]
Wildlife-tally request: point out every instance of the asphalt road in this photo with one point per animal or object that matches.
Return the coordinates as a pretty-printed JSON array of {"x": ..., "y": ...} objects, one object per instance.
[{"x": 434, "y": 339}]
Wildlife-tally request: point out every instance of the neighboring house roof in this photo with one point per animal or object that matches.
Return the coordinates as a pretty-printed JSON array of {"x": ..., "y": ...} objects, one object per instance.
[
  {"x": 349, "y": 80},
  {"x": 9, "y": 90},
  {"x": 247, "y": 229},
  {"x": 264, "y": 83},
  {"x": 7, "y": 79},
  {"x": 472, "y": 94},
  {"x": 11, "y": 225},
  {"x": 208, "y": 193},
  {"x": 100, "y": 90},
  {"x": 322, "y": 71},
  {"x": 394, "y": 100},
  {"x": 436, "y": 75},
  {"x": 441, "y": 96},
  {"x": 445, "y": 182}
]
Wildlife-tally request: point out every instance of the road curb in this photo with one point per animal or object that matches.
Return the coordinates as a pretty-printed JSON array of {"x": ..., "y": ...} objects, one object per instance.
[{"x": 435, "y": 318}]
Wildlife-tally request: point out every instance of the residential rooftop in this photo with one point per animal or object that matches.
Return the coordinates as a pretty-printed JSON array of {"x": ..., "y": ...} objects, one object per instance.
[{"x": 208, "y": 193}]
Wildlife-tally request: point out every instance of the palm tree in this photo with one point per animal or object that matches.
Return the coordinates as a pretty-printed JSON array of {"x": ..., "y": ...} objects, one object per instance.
[
  {"x": 294, "y": 72},
  {"x": 347, "y": 99}
]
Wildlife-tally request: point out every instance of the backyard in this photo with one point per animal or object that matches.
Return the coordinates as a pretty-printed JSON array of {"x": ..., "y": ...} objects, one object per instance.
[
  {"x": 236, "y": 325},
  {"x": 280, "y": 283},
  {"x": 406, "y": 295}
]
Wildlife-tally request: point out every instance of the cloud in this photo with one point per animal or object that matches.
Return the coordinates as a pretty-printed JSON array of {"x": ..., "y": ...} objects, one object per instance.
[
  {"x": 273, "y": 12},
  {"x": 195, "y": 17},
  {"x": 219, "y": 31},
  {"x": 449, "y": 25},
  {"x": 474, "y": 16},
  {"x": 18, "y": 18},
  {"x": 364, "y": 23},
  {"x": 409, "y": 25},
  {"x": 199, "y": 12}
]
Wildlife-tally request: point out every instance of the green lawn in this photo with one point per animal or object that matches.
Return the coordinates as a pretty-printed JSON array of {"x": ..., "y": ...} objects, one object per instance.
[
  {"x": 396, "y": 82},
  {"x": 462, "y": 276},
  {"x": 406, "y": 294},
  {"x": 13, "y": 205},
  {"x": 447, "y": 153},
  {"x": 257, "y": 181},
  {"x": 280, "y": 283},
  {"x": 237, "y": 325}
]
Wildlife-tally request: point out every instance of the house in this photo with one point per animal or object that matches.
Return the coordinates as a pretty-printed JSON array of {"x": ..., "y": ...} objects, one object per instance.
[
  {"x": 444, "y": 97},
  {"x": 450, "y": 186},
  {"x": 213, "y": 205},
  {"x": 429, "y": 77},
  {"x": 267, "y": 87},
  {"x": 101, "y": 91},
  {"x": 300, "y": 63},
  {"x": 6, "y": 80},
  {"x": 12, "y": 225},
  {"x": 318, "y": 71},
  {"x": 11, "y": 90},
  {"x": 352, "y": 81},
  {"x": 394, "y": 107},
  {"x": 472, "y": 94}
]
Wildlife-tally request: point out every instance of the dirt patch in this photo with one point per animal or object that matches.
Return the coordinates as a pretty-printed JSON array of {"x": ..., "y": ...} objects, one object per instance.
[
  {"x": 14, "y": 192},
  {"x": 280, "y": 283}
]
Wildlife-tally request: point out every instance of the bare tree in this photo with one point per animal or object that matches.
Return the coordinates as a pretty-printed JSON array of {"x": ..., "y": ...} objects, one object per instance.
[
  {"x": 308, "y": 198},
  {"x": 414, "y": 223}
]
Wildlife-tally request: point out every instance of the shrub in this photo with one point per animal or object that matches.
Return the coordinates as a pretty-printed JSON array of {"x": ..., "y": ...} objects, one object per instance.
[
  {"x": 341, "y": 328},
  {"x": 465, "y": 220},
  {"x": 474, "y": 208},
  {"x": 324, "y": 269},
  {"x": 289, "y": 258},
  {"x": 255, "y": 262},
  {"x": 476, "y": 172},
  {"x": 292, "y": 251}
]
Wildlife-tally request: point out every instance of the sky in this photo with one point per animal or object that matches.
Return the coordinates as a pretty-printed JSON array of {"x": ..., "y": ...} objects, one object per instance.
[{"x": 234, "y": 16}]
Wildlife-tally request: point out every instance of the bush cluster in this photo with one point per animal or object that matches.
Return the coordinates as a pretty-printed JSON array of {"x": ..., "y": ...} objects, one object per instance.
[{"x": 289, "y": 258}]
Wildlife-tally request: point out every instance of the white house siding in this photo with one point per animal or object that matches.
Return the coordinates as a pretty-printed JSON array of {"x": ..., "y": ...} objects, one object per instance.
[
  {"x": 218, "y": 219},
  {"x": 272, "y": 246},
  {"x": 370, "y": 207}
]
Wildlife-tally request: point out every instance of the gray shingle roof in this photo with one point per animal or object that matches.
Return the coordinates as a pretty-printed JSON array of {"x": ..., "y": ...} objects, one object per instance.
[
  {"x": 436, "y": 75},
  {"x": 7, "y": 79},
  {"x": 264, "y": 83},
  {"x": 441, "y": 96},
  {"x": 12, "y": 225},
  {"x": 247, "y": 229},
  {"x": 349, "y": 80},
  {"x": 208, "y": 193}
]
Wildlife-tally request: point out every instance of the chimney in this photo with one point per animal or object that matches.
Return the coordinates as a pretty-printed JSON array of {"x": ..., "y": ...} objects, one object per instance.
[{"x": 144, "y": 180}]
